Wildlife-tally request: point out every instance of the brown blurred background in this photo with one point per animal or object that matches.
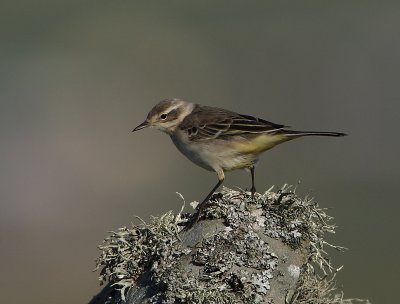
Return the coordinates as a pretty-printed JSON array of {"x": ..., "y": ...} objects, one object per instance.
[{"x": 77, "y": 76}]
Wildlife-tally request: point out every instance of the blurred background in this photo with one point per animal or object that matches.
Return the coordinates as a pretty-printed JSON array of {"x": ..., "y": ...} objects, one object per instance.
[{"x": 77, "y": 76}]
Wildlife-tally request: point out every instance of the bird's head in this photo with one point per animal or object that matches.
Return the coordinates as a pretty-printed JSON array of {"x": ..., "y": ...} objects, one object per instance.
[{"x": 167, "y": 115}]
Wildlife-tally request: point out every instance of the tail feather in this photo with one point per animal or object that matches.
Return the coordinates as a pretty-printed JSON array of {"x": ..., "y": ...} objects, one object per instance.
[{"x": 291, "y": 133}]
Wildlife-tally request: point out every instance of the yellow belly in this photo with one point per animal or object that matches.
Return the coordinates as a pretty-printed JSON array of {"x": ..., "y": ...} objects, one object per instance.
[
  {"x": 245, "y": 151},
  {"x": 259, "y": 144}
]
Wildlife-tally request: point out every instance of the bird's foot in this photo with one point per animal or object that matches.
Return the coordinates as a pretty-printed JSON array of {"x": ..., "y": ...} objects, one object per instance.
[
  {"x": 192, "y": 220},
  {"x": 253, "y": 192},
  {"x": 199, "y": 210}
]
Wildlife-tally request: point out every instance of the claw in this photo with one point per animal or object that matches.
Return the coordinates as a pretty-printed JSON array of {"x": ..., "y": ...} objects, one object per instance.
[{"x": 253, "y": 192}]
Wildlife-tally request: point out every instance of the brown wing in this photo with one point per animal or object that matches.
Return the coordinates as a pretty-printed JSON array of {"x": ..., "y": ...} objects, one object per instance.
[{"x": 209, "y": 123}]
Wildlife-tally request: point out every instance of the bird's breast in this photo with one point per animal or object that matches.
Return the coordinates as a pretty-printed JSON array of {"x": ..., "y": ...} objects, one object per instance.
[{"x": 196, "y": 153}]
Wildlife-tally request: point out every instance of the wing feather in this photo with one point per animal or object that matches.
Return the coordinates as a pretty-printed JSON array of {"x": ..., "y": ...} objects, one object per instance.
[{"x": 206, "y": 123}]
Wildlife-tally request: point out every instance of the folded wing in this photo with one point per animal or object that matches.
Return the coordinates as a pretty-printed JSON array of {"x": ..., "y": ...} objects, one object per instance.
[{"x": 206, "y": 123}]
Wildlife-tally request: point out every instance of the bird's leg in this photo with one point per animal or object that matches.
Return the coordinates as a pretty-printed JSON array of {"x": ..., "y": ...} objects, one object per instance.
[
  {"x": 253, "y": 188},
  {"x": 201, "y": 207}
]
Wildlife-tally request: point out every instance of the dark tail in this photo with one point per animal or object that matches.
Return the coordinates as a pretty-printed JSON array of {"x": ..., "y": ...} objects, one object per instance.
[{"x": 295, "y": 134}]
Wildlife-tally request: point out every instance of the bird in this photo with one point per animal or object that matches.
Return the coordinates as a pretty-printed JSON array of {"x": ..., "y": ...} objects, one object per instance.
[{"x": 219, "y": 140}]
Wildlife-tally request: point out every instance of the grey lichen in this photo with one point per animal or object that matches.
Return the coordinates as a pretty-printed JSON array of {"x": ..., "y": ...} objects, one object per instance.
[
  {"x": 221, "y": 255},
  {"x": 229, "y": 257},
  {"x": 129, "y": 252},
  {"x": 319, "y": 290}
]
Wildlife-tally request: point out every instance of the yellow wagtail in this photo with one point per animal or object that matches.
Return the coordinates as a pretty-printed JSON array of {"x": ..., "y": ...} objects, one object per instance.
[{"x": 219, "y": 140}]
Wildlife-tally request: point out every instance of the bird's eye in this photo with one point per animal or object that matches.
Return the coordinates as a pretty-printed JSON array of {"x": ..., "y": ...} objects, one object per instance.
[{"x": 163, "y": 116}]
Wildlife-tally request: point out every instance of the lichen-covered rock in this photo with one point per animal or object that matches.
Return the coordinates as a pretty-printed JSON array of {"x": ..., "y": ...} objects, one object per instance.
[{"x": 241, "y": 251}]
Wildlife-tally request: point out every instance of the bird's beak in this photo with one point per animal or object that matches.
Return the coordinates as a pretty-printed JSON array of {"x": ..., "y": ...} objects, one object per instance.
[{"x": 143, "y": 125}]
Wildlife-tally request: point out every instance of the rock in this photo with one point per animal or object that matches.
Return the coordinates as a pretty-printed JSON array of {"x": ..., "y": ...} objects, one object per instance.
[{"x": 241, "y": 251}]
